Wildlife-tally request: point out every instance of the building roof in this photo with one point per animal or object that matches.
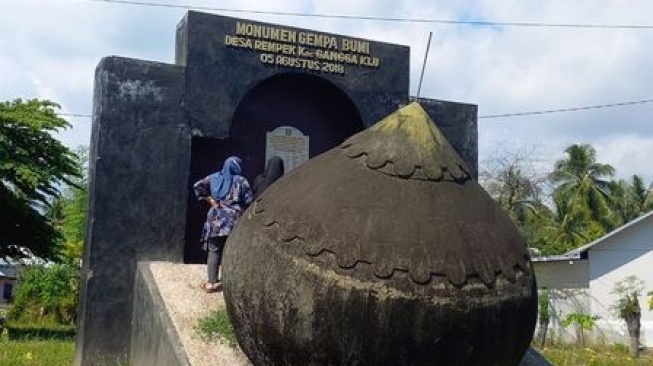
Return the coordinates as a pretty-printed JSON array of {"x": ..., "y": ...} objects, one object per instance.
[
  {"x": 581, "y": 252},
  {"x": 8, "y": 272},
  {"x": 7, "y": 269},
  {"x": 556, "y": 258}
]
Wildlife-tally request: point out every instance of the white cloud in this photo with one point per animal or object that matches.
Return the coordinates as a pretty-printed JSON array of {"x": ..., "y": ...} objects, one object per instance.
[
  {"x": 12, "y": 81},
  {"x": 502, "y": 69},
  {"x": 628, "y": 152}
]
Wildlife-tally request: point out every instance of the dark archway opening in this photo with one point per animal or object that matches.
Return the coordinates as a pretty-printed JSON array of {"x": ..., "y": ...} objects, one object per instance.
[{"x": 308, "y": 103}]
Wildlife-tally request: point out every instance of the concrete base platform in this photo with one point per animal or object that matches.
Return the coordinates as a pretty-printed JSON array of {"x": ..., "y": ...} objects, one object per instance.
[{"x": 168, "y": 303}]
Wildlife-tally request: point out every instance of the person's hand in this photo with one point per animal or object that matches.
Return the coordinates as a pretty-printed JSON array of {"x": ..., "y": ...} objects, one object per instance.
[{"x": 213, "y": 202}]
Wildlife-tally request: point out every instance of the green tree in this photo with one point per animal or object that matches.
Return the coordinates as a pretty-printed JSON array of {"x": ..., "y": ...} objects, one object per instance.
[
  {"x": 47, "y": 293},
  {"x": 630, "y": 199},
  {"x": 518, "y": 187},
  {"x": 581, "y": 192},
  {"x": 568, "y": 228},
  {"x": 584, "y": 323},
  {"x": 50, "y": 292},
  {"x": 543, "y": 315},
  {"x": 33, "y": 167},
  {"x": 515, "y": 191},
  {"x": 74, "y": 208},
  {"x": 626, "y": 307},
  {"x": 642, "y": 196},
  {"x": 569, "y": 207}
]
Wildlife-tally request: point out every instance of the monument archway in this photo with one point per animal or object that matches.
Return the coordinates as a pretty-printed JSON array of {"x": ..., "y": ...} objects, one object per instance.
[
  {"x": 312, "y": 105},
  {"x": 303, "y": 103}
]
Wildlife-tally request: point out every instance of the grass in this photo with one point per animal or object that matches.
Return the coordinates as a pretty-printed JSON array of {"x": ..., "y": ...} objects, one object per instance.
[
  {"x": 41, "y": 332},
  {"x": 217, "y": 326},
  {"x": 36, "y": 353},
  {"x": 37, "y": 345},
  {"x": 615, "y": 355},
  {"x": 56, "y": 352}
]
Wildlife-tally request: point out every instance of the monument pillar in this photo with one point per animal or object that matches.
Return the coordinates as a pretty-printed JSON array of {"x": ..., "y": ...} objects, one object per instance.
[
  {"x": 458, "y": 122},
  {"x": 137, "y": 199}
]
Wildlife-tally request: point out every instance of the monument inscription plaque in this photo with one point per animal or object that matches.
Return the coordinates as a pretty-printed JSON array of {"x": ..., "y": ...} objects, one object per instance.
[
  {"x": 301, "y": 49},
  {"x": 288, "y": 143}
]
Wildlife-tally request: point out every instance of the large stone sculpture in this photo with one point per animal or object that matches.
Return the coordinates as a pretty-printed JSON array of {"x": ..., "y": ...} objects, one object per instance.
[{"x": 382, "y": 251}]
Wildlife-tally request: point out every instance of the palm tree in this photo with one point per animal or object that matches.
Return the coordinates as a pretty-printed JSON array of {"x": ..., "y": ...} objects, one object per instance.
[
  {"x": 642, "y": 196},
  {"x": 581, "y": 184},
  {"x": 628, "y": 201},
  {"x": 567, "y": 228},
  {"x": 54, "y": 212},
  {"x": 621, "y": 201}
]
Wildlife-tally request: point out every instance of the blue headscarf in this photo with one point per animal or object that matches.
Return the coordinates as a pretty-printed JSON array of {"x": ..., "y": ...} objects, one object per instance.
[{"x": 221, "y": 181}]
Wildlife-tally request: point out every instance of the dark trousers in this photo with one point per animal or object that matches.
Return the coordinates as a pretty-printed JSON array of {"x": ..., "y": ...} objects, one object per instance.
[{"x": 214, "y": 246}]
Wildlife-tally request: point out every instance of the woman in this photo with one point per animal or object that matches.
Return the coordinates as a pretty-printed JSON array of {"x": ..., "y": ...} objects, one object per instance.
[
  {"x": 228, "y": 194},
  {"x": 273, "y": 171}
]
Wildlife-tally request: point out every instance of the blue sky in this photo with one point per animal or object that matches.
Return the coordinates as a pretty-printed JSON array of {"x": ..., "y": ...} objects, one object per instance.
[{"x": 49, "y": 49}]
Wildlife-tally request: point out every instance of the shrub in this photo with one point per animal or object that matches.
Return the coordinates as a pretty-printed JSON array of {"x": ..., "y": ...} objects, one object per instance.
[
  {"x": 47, "y": 293},
  {"x": 627, "y": 308},
  {"x": 584, "y": 322}
]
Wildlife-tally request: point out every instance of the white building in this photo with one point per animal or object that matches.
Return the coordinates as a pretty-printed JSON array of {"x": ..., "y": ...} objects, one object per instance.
[
  {"x": 583, "y": 280},
  {"x": 8, "y": 278}
]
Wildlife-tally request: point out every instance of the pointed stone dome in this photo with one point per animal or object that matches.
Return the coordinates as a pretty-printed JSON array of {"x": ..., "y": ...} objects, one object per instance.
[
  {"x": 422, "y": 210},
  {"x": 408, "y": 144},
  {"x": 389, "y": 231}
]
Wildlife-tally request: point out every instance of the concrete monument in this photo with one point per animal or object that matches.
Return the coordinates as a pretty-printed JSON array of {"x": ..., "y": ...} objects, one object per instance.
[{"x": 159, "y": 127}]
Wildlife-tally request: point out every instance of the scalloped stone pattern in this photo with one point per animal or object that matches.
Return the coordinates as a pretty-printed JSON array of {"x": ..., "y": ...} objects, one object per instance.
[
  {"x": 485, "y": 265},
  {"x": 424, "y": 152},
  {"x": 381, "y": 251}
]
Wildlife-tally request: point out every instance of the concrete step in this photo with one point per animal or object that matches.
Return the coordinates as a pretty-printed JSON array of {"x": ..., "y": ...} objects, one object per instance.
[{"x": 168, "y": 305}]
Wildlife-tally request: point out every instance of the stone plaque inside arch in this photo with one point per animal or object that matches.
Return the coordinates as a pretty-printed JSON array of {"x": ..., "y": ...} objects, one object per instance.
[{"x": 288, "y": 143}]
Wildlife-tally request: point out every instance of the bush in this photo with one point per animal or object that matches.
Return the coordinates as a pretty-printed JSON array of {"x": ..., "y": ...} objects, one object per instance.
[
  {"x": 47, "y": 293},
  {"x": 627, "y": 292},
  {"x": 627, "y": 308},
  {"x": 584, "y": 322}
]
